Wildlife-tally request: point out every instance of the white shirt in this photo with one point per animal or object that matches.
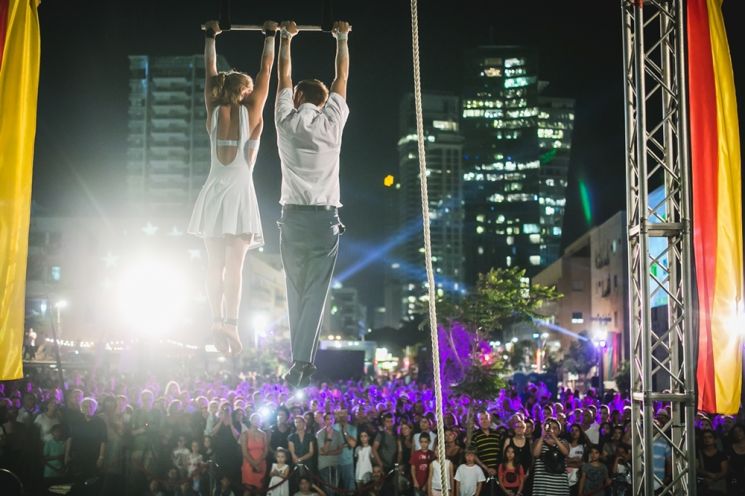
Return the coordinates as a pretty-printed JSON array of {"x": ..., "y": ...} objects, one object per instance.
[
  {"x": 468, "y": 478},
  {"x": 309, "y": 142},
  {"x": 593, "y": 433},
  {"x": 436, "y": 479}
]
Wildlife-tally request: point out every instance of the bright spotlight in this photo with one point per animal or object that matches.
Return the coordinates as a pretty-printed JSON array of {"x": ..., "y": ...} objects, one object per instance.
[
  {"x": 152, "y": 296},
  {"x": 264, "y": 412},
  {"x": 61, "y": 304},
  {"x": 300, "y": 395},
  {"x": 260, "y": 324}
]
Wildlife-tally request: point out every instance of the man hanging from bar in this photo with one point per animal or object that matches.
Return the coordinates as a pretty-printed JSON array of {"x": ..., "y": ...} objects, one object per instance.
[{"x": 309, "y": 122}]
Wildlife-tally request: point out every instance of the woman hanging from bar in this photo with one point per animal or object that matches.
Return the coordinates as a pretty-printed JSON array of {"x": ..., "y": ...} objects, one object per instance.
[{"x": 226, "y": 213}]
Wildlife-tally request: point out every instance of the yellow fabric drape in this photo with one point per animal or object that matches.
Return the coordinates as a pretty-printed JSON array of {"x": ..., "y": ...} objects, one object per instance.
[
  {"x": 727, "y": 305},
  {"x": 19, "y": 81}
]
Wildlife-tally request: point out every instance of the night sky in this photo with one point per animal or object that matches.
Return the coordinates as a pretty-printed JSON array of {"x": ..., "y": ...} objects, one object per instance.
[{"x": 82, "y": 122}]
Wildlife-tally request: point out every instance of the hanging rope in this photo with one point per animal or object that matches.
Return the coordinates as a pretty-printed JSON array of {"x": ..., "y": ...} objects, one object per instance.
[{"x": 441, "y": 457}]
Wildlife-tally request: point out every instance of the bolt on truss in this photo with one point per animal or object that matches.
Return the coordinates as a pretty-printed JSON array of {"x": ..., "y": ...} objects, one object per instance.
[{"x": 662, "y": 368}]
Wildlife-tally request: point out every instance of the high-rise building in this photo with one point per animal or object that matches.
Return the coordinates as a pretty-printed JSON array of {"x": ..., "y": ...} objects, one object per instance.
[
  {"x": 514, "y": 167},
  {"x": 444, "y": 151},
  {"x": 345, "y": 316},
  {"x": 168, "y": 149},
  {"x": 555, "y": 126}
]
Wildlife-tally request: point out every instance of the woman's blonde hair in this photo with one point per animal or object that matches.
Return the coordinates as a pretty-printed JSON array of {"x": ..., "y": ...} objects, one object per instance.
[{"x": 227, "y": 87}]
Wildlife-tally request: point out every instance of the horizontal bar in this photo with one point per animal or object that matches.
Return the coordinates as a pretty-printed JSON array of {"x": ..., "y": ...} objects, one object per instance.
[
  {"x": 256, "y": 27},
  {"x": 665, "y": 397}
]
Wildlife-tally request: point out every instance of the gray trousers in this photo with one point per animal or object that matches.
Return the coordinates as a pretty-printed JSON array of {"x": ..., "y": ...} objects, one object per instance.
[{"x": 309, "y": 245}]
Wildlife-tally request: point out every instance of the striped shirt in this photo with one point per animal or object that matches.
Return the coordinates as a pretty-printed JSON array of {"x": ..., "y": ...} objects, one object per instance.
[{"x": 487, "y": 447}]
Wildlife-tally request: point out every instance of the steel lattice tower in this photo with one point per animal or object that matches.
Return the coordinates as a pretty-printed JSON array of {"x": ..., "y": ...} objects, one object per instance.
[{"x": 662, "y": 368}]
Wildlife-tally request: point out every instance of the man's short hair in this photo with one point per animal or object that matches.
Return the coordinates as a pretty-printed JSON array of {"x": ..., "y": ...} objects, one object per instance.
[{"x": 314, "y": 91}]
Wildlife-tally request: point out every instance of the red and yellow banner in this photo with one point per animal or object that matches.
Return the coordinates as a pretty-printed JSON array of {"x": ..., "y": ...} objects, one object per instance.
[
  {"x": 20, "y": 46},
  {"x": 717, "y": 208}
]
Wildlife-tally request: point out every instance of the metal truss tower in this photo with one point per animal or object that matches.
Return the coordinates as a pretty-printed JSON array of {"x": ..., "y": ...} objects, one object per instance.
[{"x": 660, "y": 255}]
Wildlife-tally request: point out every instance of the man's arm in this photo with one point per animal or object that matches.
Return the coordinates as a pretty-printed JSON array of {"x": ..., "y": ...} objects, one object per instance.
[
  {"x": 257, "y": 99},
  {"x": 340, "y": 32},
  {"x": 288, "y": 29},
  {"x": 211, "y": 30}
]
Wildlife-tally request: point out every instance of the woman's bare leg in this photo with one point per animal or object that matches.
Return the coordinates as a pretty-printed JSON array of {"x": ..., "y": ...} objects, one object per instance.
[
  {"x": 215, "y": 287},
  {"x": 235, "y": 254}
]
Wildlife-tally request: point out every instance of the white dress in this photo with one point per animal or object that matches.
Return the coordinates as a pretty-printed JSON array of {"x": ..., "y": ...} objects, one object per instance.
[
  {"x": 227, "y": 203},
  {"x": 284, "y": 488},
  {"x": 363, "y": 471}
]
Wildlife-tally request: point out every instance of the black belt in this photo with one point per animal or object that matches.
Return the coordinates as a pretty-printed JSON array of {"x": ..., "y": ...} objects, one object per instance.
[{"x": 309, "y": 207}]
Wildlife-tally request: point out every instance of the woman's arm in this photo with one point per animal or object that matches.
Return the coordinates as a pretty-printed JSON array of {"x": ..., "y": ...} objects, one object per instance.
[
  {"x": 212, "y": 29},
  {"x": 537, "y": 447},
  {"x": 291, "y": 448},
  {"x": 257, "y": 98},
  {"x": 562, "y": 447},
  {"x": 244, "y": 448}
]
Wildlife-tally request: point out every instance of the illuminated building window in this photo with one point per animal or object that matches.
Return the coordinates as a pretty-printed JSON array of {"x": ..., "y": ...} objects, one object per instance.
[
  {"x": 492, "y": 114},
  {"x": 513, "y": 62},
  {"x": 577, "y": 318},
  {"x": 492, "y": 71},
  {"x": 531, "y": 229},
  {"x": 510, "y": 240},
  {"x": 550, "y": 210},
  {"x": 535, "y": 260},
  {"x": 480, "y": 218},
  {"x": 549, "y": 182},
  {"x": 519, "y": 82},
  {"x": 480, "y": 250},
  {"x": 508, "y": 261},
  {"x": 556, "y": 231},
  {"x": 445, "y": 125},
  {"x": 395, "y": 266},
  {"x": 535, "y": 238},
  {"x": 500, "y": 219},
  {"x": 479, "y": 230},
  {"x": 472, "y": 113},
  {"x": 496, "y": 198}
]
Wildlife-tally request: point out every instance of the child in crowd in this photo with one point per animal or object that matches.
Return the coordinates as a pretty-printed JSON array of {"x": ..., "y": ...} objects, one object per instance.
[
  {"x": 194, "y": 466},
  {"x": 594, "y": 474},
  {"x": 309, "y": 489},
  {"x": 180, "y": 457},
  {"x": 363, "y": 454},
  {"x": 469, "y": 477},
  {"x": 54, "y": 454},
  {"x": 225, "y": 489},
  {"x": 511, "y": 474},
  {"x": 279, "y": 473},
  {"x": 435, "y": 479},
  {"x": 419, "y": 462}
]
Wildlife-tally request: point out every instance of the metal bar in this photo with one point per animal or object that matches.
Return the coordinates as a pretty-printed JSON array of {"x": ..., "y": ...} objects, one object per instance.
[{"x": 257, "y": 27}]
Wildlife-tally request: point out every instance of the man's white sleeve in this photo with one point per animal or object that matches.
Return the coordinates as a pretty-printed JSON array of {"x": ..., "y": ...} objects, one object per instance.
[{"x": 284, "y": 106}]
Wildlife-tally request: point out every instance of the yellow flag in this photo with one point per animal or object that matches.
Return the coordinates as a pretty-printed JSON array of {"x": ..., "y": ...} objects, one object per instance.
[{"x": 20, "y": 44}]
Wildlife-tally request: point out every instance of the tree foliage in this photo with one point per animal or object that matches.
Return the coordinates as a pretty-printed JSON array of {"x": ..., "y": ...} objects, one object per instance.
[
  {"x": 500, "y": 298},
  {"x": 467, "y": 323}
]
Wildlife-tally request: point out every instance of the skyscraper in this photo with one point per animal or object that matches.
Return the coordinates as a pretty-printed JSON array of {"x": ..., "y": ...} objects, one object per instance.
[
  {"x": 444, "y": 151},
  {"x": 168, "y": 149},
  {"x": 515, "y": 167}
]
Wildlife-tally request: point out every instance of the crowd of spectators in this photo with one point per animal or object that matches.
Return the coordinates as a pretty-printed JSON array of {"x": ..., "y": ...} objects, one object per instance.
[{"x": 116, "y": 435}]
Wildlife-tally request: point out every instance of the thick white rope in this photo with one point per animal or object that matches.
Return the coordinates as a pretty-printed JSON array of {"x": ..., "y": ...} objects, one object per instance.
[{"x": 441, "y": 457}]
